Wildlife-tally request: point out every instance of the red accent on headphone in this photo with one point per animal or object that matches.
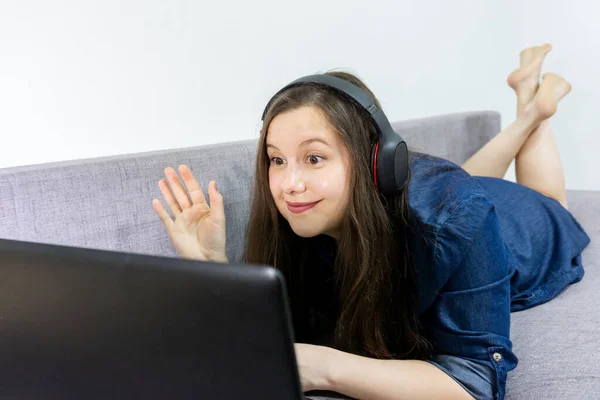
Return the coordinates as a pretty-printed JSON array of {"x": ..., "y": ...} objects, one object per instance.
[{"x": 375, "y": 165}]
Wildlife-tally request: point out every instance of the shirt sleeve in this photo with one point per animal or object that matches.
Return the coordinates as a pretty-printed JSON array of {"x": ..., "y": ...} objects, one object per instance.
[{"x": 469, "y": 323}]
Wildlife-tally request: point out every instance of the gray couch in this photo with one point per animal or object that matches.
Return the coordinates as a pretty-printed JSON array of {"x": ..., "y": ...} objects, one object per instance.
[{"x": 105, "y": 203}]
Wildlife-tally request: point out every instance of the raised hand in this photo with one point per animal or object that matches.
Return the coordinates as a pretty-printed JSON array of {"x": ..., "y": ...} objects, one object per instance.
[{"x": 196, "y": 229}]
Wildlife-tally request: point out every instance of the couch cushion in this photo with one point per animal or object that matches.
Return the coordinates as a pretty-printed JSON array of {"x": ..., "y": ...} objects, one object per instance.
[
  {"x": 105, "y": 202},
  {"x": 557, "y": 342}
]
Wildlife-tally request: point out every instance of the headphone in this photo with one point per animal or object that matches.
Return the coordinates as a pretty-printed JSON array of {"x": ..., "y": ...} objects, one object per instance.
[{"x": 389, "y": 155}]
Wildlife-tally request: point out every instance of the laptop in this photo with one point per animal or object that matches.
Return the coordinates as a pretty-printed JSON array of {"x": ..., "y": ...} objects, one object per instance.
[{"x": 86, "y": 323}]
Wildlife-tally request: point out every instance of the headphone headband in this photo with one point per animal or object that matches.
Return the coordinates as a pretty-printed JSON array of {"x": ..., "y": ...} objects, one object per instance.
[{"x": 354, "y": 92}]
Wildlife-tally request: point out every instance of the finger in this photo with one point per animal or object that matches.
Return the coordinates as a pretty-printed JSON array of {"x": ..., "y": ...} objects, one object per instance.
[
  {"x": 192, "y": 185},
  {"x": 162, "y": 213},
  {"x": 177, "y": 188},
  {"x": 171, "y": 202},
  {"x": 217, "y": 209}
]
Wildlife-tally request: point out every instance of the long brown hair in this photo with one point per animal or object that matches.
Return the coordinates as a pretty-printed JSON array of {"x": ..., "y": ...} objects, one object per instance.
[{"x": 373, "y": 268}]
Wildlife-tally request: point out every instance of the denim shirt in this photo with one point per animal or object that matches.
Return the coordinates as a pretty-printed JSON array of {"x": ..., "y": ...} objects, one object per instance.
[{"x": 463, "y": 275}]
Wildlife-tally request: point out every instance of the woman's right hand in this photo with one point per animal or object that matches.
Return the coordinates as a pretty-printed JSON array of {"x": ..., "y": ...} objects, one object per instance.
[{"x": 197, "y": 230}]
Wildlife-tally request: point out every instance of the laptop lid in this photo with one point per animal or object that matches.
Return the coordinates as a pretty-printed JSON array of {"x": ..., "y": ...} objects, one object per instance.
[{"x": 87, "y": 323}]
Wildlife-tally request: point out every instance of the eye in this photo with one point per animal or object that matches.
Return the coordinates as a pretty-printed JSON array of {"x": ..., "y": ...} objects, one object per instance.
[
  {"x": 276, "y": 160},
  {"x": 314, "y": 159}
]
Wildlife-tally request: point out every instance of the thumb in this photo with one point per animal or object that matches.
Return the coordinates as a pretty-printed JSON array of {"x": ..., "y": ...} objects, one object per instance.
[{"x": 217, "y": 208}]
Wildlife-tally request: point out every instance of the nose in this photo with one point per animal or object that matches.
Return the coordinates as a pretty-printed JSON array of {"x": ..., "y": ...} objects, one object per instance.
[{"x": 292, "y": 181}]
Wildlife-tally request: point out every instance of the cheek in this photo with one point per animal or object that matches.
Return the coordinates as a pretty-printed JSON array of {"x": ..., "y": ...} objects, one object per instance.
[
  {"x": 274, "y": 184},
  {"x": 332, "y": 185}
]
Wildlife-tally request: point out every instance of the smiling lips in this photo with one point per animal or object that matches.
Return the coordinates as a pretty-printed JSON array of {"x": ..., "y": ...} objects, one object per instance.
[{"x": 297, "y": 208}]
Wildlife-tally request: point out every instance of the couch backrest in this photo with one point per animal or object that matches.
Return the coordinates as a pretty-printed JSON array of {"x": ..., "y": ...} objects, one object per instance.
[{"x": 105, "y": 203}]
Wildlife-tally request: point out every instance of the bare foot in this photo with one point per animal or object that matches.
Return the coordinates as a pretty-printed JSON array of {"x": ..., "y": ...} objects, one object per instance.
[
  {"x": 525, "y": 80},
  {"x": 544, "y": 104}
]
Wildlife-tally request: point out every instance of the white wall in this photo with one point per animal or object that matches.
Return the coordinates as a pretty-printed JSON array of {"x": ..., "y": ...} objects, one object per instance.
[{"x": 82, "y": 79}]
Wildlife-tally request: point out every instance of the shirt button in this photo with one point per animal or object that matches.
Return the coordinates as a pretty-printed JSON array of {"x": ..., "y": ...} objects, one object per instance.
[{"x": 497, "y": 357}]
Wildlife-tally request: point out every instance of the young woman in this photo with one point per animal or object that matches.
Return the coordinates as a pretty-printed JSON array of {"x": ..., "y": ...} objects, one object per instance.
[{"x": 403, "y": 297}]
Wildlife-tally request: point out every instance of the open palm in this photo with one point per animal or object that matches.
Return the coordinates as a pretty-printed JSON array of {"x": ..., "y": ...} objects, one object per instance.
[{"x": 196, "y": 229}]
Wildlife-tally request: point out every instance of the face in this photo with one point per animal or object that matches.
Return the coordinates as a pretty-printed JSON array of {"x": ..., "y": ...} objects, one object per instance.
[{"x": 309, "y": 172}]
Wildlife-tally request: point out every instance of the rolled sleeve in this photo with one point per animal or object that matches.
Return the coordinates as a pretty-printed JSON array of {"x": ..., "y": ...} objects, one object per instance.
[
  {"x": 469, "y": 321},
  {"x": 475, "y": 377}
]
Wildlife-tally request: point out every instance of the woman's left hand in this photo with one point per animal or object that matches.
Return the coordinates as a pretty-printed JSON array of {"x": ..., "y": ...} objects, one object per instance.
[{"x": 315, "y": 365}]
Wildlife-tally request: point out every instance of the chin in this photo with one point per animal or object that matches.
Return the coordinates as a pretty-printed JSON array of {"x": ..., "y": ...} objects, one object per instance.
[{"x": 305, "y": 231}]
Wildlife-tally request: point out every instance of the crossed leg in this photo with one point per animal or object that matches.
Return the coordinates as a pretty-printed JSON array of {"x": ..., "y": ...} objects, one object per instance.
[{"x": 529, "y": 139}]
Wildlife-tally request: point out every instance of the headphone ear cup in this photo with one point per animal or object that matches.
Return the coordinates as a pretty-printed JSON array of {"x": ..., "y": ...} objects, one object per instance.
[{"x": 374, "y": 152}]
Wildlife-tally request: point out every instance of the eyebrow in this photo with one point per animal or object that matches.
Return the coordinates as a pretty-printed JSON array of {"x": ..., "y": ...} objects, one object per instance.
[{"x": 305, "y": 143}]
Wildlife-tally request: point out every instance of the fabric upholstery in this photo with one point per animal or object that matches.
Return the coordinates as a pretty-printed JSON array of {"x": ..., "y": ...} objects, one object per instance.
[{"x": 105, "y": 203}]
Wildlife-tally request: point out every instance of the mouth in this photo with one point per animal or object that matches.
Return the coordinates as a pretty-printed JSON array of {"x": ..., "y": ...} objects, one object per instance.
[{"x": 298, "y": 208}]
